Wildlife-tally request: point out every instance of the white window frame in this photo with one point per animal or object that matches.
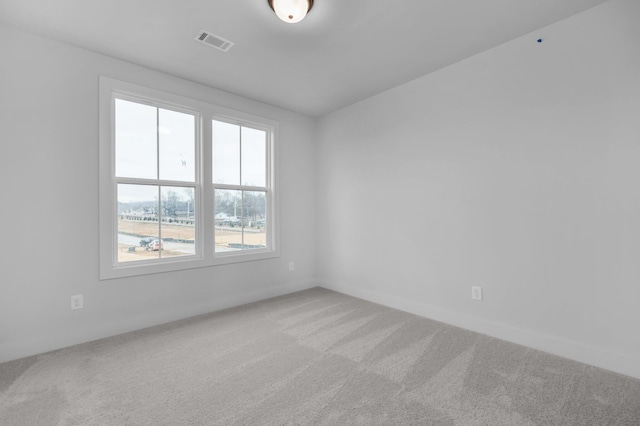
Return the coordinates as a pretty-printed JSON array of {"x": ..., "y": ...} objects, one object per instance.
[
  {"x": 240, "y": 186},
  {"x": 205, "y": 224}
]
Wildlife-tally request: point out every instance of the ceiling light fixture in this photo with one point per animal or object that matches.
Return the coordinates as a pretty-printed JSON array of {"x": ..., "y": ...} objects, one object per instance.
[{"x": 291, "y": 11}]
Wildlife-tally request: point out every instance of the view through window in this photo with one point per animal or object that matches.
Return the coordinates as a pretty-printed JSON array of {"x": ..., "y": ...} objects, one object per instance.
[
  {"x": 240, "y": 187},
  {"x": 155, "y": 168}
]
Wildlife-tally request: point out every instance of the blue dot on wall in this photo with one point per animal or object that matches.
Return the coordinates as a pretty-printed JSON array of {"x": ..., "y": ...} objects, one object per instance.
[{"x": 539, "y": 40}]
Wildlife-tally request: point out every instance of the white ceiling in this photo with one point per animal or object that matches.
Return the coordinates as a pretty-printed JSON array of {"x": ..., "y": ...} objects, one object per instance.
[{"x": 344, "y": 50}]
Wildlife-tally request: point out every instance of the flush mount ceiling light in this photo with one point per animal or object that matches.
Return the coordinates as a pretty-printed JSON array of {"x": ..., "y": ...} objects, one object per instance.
[{"x": 291, "y": 11}]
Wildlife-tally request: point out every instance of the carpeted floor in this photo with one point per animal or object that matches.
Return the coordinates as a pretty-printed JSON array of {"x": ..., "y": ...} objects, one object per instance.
[{"x": 314, "y": 357}]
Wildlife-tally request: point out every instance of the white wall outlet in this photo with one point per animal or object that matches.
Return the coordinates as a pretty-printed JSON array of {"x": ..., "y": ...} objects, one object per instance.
[
  {"x": 291, "y": 266},
  {"x": 76, "y": 302},
  {"x": 476, "y": 293}
]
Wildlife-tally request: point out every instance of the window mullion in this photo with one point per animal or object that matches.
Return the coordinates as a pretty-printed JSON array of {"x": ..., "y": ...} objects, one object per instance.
[
  {"x": 207, "y": 212},
  {"x": 160, "y": 221},
  {"x": 241, "y": 193},
  {"x": 240, "y": 153},
  {"x": 242, "y": 217},
  {"x": 158, "y": 183}
]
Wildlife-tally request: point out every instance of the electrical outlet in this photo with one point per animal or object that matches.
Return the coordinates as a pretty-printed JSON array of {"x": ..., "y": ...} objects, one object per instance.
[
  {"x": 291, "y": 266},
  {"x": 76, "y": 302},
  {"x": 476, "y": 293}
]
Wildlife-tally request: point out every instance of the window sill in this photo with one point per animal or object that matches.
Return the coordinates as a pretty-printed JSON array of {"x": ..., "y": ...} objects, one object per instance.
[{"x": 136, "y": 269}]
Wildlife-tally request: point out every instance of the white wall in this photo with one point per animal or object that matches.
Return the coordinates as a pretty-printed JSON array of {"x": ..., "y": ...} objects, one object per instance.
[
  {"x": 49, "y": 207},
  {"x": 517, "y": 170}
]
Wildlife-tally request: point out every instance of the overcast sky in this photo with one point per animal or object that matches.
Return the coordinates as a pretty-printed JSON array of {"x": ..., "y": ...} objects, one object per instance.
[{"x": 137, "y": 130}]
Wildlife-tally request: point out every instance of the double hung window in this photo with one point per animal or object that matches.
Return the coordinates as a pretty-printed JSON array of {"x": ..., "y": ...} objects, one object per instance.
[
  {"x": 240, "y": 186},
  {"x": 183, "y": 183},
  {"x": 155, "y": 176}
]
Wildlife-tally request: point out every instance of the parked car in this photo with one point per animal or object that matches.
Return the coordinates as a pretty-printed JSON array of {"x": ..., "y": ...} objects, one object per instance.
[
  {"x": 232, "y": 221},
  {"x": 155, "y": 245},
  {"x": 145, "y": 242}
]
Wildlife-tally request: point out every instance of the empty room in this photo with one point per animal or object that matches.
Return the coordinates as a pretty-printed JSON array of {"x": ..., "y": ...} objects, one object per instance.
[{"x": 320, "y": 212}]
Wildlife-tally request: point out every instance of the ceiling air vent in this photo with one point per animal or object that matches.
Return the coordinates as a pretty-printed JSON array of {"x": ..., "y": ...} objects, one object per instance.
[{"x": 214, "y": 41}]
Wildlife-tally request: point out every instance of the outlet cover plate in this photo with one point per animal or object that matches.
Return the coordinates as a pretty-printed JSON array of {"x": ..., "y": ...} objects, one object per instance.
[{"x": 76, "y": 302}]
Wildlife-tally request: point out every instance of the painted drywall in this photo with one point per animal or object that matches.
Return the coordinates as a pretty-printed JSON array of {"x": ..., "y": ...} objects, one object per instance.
[
  {"x": 516, "y": 170},
  {"x": 49, "y": 170}
]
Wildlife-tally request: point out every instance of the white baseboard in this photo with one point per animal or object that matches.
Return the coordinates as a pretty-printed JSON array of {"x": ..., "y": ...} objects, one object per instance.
[
  {"x": 598, "y": 357},
  {"x": 41, "y": 344},
  {"x": 256, "y": 296}
]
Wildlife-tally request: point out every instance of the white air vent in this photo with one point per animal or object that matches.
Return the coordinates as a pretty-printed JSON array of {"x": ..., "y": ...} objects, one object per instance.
[{"x": 214, "y": 41}]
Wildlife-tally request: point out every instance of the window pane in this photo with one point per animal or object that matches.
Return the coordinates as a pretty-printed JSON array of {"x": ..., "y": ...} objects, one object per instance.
[
  {"x": 137, "y": 222},
  {"x": 255, "y": 219},
  {"x": 178, "y": 221},
  {"x": 228, "y": 223},
  {"x": 136, "y": 140},
  {"x": 254, "y": 143},
  {"x": 177, "y": 135},
  {"x": 226, "y": 153}
]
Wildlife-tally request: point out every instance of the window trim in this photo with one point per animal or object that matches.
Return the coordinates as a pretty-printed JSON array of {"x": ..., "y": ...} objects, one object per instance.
[{"x": 205, "y": 256}]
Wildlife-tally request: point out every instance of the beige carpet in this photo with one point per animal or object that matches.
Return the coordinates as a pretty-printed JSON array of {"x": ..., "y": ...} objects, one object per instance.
[{"x": 314, "y": 357}]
